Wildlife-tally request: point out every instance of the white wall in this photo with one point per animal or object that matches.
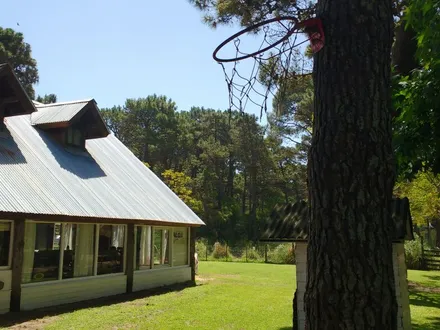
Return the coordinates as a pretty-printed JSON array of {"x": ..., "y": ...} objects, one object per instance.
[
  {"x": 151, "y": 278},
  {"x": 301, "y": 278},
  {"x": 402, "y": 295},
  {"x": 5, "y": 293},
  {"x": 37, "y": 295}
]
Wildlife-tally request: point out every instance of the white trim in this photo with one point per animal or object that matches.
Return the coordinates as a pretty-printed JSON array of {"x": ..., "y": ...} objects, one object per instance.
[
  {"x": 160, "y": 268},
  {"x": 189, "y": 246},
  {"x": 74, "y": 279},
  {"x": 170, "y": 247},
  {"x": 61, "y": 261},
  {"x": 95, "y": 258}
]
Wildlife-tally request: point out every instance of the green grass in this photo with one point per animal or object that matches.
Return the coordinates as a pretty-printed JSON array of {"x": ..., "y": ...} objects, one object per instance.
[
  {"x": 425, "y": 305},
  {"x": 228, "y": 296}
]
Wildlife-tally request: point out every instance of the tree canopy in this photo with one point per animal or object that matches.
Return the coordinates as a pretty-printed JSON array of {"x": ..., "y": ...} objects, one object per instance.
[{"x": 15, "y": 51}]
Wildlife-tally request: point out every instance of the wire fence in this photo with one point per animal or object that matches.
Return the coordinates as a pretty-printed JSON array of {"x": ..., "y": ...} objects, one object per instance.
[{"x": 282, "y": 253}]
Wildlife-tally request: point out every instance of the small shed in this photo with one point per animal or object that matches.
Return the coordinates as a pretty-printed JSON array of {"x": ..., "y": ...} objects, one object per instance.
[
  {"x": 81, "y": 217},
  {"x": 290, "y": 223}
]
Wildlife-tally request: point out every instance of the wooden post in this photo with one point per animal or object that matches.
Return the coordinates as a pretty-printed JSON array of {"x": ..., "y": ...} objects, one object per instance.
[
  {"x": 423, "y": 253},
  {"x": 192, "y": 251},
  {"x": 265, "y": 253},
  {"x": 17, "y": 265},
  {"x": 130, "y": 257},
  {"x": 246, "y": 252}
]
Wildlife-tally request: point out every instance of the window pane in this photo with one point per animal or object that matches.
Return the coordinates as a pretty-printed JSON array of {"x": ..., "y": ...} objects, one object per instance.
[
  {"x": 5, "y": 240},
  {"x": 77, "y": 137},
  {"x": 41, "y": 252},
  {"x": 143, "y": 247},
  {"x": 79, "y": 246},
  {"x": 160, "y": 247},
  {"x": 180, "y": 246},
  {"x": 111, "y": 249}
]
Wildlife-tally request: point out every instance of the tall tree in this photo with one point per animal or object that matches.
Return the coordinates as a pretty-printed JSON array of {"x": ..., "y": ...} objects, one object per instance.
[
  {"x": 350, "y": 275},
  {"x": 350, "y": 279},
  {"x": 15, "y": 51}
]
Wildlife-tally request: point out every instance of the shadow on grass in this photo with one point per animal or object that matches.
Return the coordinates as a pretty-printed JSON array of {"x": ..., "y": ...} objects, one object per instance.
[
  {"x": 11, "y": 319},
  {"x": 433, "y": 277},
  {"x": 434, "y": 324},
  {"x": 424, "y": 299},
  {"x": 285, "y": 328}
]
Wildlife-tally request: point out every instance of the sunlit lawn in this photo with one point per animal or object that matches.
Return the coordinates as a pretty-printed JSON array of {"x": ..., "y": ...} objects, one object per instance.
[{"x": 228, "y": 296}]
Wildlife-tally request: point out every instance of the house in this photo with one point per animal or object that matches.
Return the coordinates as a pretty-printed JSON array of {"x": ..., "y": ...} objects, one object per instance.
[
  {"x": 290, "y": 222},
  {"x": 81, "y": 216}
]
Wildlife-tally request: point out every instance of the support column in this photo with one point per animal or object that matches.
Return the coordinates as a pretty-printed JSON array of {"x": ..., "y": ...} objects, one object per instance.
[
  {"x": 129, "y": 271},
  {"x": 17, "y": 265},
  {"x": 192, "y": 251},
  {"x": 301, "y": 281}
]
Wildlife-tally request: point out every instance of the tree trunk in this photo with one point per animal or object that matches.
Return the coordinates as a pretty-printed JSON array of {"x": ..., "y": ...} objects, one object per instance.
[
  {"x": 437, "y": 233},
  {"x": 350, "y": 283}
]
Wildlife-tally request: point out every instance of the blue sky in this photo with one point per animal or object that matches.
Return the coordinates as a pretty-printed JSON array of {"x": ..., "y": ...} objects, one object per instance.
[{"x": 112, "y": 50}]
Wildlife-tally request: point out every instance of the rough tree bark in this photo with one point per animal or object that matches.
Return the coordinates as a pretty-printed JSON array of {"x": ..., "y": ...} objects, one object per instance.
[{"x": 351, "y": 171}]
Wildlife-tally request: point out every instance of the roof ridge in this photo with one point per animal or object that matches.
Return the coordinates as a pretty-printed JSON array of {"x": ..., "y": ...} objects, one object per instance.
[{"x": 62, "y": 103}]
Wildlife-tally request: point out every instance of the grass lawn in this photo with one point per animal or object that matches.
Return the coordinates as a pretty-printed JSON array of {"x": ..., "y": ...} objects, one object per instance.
[{"x": 228, "y": 296}]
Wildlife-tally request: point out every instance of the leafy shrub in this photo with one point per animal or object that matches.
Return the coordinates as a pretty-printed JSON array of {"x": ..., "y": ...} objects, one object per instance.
[
  {"x": 413, "y": 253},
  {"x": 283, "y": 254},
  {"x": 219, "y": 251},
  {"x": 252, "y": 254},
  {"x": 201, "y": 249}
]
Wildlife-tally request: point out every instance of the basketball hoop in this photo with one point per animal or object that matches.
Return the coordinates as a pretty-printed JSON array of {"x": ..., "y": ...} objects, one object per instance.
[{"x": 277, "y": 58}]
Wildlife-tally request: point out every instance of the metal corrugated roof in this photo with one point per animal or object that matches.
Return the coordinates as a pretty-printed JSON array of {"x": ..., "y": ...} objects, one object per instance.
[
  {"x": 57, "y": 112},
  {"x": 39, "y": 176},
  {"x": 290, "y": 222}
]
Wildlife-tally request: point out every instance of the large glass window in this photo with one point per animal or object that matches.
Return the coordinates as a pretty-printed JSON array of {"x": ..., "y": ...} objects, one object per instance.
[
  {"x": 5, "y": 242},
  {"x": 180, "y": 246},
  {"x": 78, "y": 243},
  {"x": 41, "y": 252},
  {"x": 111, "y": 249},
  {"x": 143, "y": 247},
  {"x": 161, "y": 247}
]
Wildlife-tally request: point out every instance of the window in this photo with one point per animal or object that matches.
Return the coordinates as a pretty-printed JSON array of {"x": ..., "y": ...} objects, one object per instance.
[
  {"x": 74, "y": 137},
  {"x": 41, "y": 252},
  {"x": 161, "y": 247},
  {"x": 5, "y": 243},
  {"x": 143, "y": 247},
  {"x": 111, "y": 249},
  {"x": 180, "y": 246},
  {"x": 78, "y": 250}
]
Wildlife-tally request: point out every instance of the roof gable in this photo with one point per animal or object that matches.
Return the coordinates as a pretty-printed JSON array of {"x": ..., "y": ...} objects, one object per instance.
[
  {"x": 290, "y": 222},
  {"x": 65, "y": 114},
  {"x": 13, "y": 99}
]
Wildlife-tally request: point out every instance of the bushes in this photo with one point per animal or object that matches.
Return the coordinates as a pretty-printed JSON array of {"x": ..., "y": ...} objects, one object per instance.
[
  {"x": 413, "y": 253},
  {"x": 219, "y": 251},
  {"x": 282, "y": 254}
]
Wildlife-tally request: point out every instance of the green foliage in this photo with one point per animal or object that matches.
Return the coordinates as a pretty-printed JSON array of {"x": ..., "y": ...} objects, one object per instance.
[
  {"x": 413, "y": 253},
  {"x": 416, "y": 98},
  {"x": 15, "y": 51},
  {"x": 47, "y": 98},
  {"x": 423, "y": 193},
  {"x": 282, "y": 254},
  {"x": 181, "y": 185},
  {"x": 220, "y": 251}
]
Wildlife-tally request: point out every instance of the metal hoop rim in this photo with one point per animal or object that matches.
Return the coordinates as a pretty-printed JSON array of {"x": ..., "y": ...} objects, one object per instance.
[{"x": 250, "y": 28}]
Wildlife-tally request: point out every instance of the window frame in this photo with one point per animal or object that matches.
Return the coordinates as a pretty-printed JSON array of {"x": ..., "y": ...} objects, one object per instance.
[
  {"x": 11, "y": 244},
  {"x": 61, "y": 258},
  {"x": 71, "y": 131},
  {"x": 170, "y": 249}
]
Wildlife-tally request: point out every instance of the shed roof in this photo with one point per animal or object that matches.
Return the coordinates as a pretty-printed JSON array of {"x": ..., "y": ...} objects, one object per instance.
[
  {"x": 41, "y": 179},
  {"x": 61, "y": 112},
  {"x": 290, "y": 222},
  {"x": 64, "y": 114}
]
